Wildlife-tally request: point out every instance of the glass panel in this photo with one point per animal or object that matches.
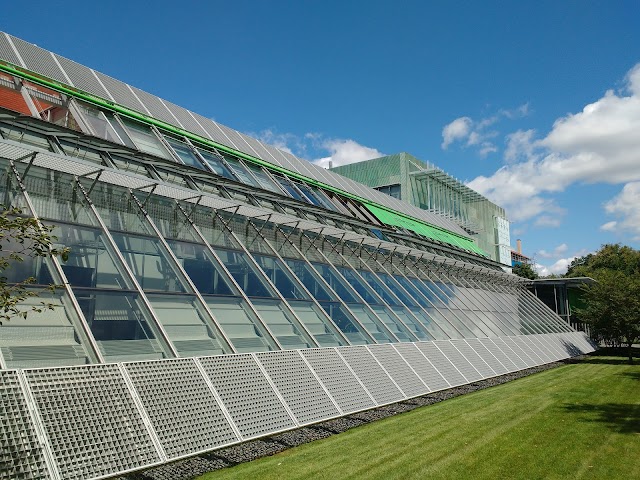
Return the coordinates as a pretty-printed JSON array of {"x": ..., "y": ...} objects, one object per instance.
[
  {"x": 279, "y": 323},
  {"x": 392, "y": 324},
  {"x": 204, "y": 273},
  {"x": 185, "y": 153},
  {"x": 90, "y": 262},
  {"x": 432, "y": 327},
  {"x": 172, "y": 177},
  {"x": 243, "y": 330},
  {"x": 378, "y": 287},
  {"x": 370, "y": 323},
  {"x": 43, "y": 339},
  {"x": 120, "y": 324},
  {"x": 241, "y": 172},
  {"x": 446, "y": 323},
  {"x": 286, "y": 185},
  {"x": 244, "y": 274},
  {"x": 145, "y": 139},
  {"x": 263, "y": 178},
  {"x": 345, "y": 323},
  {"x": 305, "y": 274},
  {"x": 36, "y": 268},
  {"x": 77, "y": 151},
  {"x": 359, "y": 286},
  {"x": 129, "y": 165},
  {"x": 316, "y": 323},
  {"x": 335, "y": 282},
  {"x": 216, "y": 165},
  {"x": 275, "y": 271},
  {"x": 148, "y": 263},
  {"x": 414, "y": 326},
  {"x": 185, "y": 325}
]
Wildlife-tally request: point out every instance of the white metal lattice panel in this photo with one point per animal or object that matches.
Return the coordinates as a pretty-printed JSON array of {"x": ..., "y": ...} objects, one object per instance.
[
  {"x": 545, "y": 351},
  {"x": 567, "y": 345},
  {"x": 529, "y": 362},
  {"x": 6, "y": 51},
  {"x": 513, "y": 355},
  {"x": 408, "y": 381},
  {"x": 92, "y": 422},
  {"x": 155, "y": 107},
  {"x": 21, "y": 455},
  {"x": 525, "y": 345},
  {"x": 39, "y": 60},
  {"x": 82, "y": 77},
  {"x": 474, "y": 358},
  {"x": 457, "y": 358},
  {"x": 251, "y": 401},
  {"x": 182, "y": 408},
  {"x": 557, "y": 343},
  {"x": 422, "y": 366},
  {"x": 502, "y": 357},
  {"x": 444, "y": 366},
  {"x": 371, "y": 374},
  {"x": 335, "y": 375},
  {"x": 185, "y": 119},
  {"x": 120, "y": 92},
  {"x": 486, "y": 356},
  {"x": 300, "y": 389}
]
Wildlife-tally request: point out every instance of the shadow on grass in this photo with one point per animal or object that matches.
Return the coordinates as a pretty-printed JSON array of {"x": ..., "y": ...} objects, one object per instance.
[
  {"x": 619, "y": 417},
  {"x": 609, "y": 360},
  {"x": 634, "y": 375}
]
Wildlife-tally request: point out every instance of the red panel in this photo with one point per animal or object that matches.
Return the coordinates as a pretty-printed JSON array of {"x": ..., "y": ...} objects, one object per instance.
[{"x": 13, "y": 101}]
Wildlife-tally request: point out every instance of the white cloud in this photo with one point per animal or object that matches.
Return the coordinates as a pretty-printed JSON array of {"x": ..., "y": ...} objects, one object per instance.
[
  {"x": 548, "y": 221},
  {"x": 475, "y": 133},
  {"x": 558, "y": 268},
  {"x": 557, "y": 252},
  {"x": 599, "y": 144},
  {"x": 457, "y": 130},
  {"x": 344, "y": 152},
  {"x": 626, "y": 206}
]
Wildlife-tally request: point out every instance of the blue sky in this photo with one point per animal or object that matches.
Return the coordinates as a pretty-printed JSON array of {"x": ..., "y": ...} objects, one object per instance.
[{"x": 536, "y": 104}]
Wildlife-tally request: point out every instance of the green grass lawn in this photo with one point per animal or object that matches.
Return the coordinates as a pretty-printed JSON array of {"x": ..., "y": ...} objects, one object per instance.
[{"x": 575, "y": 421}]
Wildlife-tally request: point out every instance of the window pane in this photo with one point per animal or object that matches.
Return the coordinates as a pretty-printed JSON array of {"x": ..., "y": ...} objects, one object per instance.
[
  {"x": 243, "y": 273},
  {"x": 185, "y": 154},
  {"x": 274, "y": 270},
  {"x": 216, "y": 165},
  {"x": 145, "y": 139}
]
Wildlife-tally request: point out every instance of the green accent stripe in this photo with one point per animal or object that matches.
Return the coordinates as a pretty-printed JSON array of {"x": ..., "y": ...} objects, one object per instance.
[
  {"x": 393, "y": 218},
  {"x": 426, "y": 229}
]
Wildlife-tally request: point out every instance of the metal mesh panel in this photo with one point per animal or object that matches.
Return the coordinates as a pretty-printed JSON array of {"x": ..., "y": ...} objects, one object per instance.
[
  {"x": 93, "y": 425},
  {"x": 6, "y": 51},
  {"x": 371, "y": 374},
  {"x": 422, "y": 366},
  {"x": 182, "y": 409},
  {"x": 335, "y": 375},
  {"x": 120, "y": 92},
  {"x": 474, "y": 358},
  {"x": 39, "y": 60},
  {"x": 499, "y": 354},
  {"x": 155, "y": 107},
  {"x": 186, "y": 119},
  {"x": 546, "y": 351},
  {"x": 458, "y": 359},
  {"x": 21, "y": 456},
  {"x": 556, "y": 344},
  {"x": 258, "y": 148},
  {"x": 487, "y": 356},
  {"x": 444, "y": 366},
  {"x": 240, "y": 143},
  {"x": 298, "y": 386},
  {"x": 249, "y": 398},
  {"x": 524, "y": 344},
  {"x": 512, "y": 354},
  {"x": 275, "y": 156},
  {"x": 510, "y": 342},
  {"x": 82, "y": 77},
  {"x": 408, "y": 381}
]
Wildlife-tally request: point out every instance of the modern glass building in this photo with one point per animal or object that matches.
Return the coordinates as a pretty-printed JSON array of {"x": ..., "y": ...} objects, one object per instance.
[
  {"x": 428, "y": 187},
  {"x": 219, "y": 289}
]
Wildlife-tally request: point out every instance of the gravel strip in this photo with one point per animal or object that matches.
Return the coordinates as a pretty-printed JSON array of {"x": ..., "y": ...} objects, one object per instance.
[{"x": 246, "y": 452}]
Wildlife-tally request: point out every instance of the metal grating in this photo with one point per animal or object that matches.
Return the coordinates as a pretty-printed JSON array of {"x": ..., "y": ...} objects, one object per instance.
[
  {"x": 183, "y": 411},
  {"x": 186, "y": 119},
  {"x": 519, "y": 362},
  {"x": 21, "y": 454},
  {"x": 502, "y": 357},
  {"x": 422, "y": 366},
  {"x": 404, "y": 376},
  {"x": 371, "y": 374},
  {"x": 39, "y": 60},
  {"x": 546, "y": 351},
  {"x": 524, "y": 344},
  {"x": 297, "y": 384},
  {"x": 444, "y": 366},
  {"x": 474, "y": 358},
  {"x": 120, "y": 92},
  {"x": 155, "y": 107},
  {"x": 528, "y": 361},
  {"x": 487, "y": 356},
  {"x": 92, "y": 422},
  {"x": 248, "y": 396},
  {"x": 462, "y": 364},
  {"x": 6, "y": 51},
  {"x": 237, "y": 139},
  {"x": 341, "y": 383},
  {"x": 82, "y": 77}
]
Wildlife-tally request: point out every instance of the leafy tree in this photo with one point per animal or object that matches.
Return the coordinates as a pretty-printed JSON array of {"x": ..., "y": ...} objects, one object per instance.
[
  {"x": 22, "y": 237},
  {"x": 612, "y": 304},
  {"x": 525, "y": 270}
]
